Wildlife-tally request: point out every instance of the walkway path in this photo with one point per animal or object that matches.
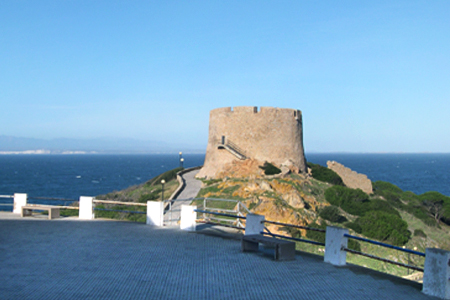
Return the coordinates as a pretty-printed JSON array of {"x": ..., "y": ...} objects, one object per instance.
[
  {"x": 189, "y": 192},
  {"x": 73, "y": 259}
]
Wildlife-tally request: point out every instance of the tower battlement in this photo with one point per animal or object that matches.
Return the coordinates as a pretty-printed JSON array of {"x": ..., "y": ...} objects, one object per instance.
[{"x": 263, "y": 134}]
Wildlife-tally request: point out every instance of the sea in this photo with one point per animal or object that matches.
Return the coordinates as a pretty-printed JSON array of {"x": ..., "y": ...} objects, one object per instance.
[{"x": 70, "y": 176}]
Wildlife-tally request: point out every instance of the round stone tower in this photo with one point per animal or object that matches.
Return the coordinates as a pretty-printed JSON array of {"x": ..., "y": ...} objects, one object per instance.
[{"x": 267, "y": 134}]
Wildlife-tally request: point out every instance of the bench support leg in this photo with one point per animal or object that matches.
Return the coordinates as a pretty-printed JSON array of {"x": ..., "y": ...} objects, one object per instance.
[
  {"x": 285, "y": 252},
  {"x": 249, "y": 246}
]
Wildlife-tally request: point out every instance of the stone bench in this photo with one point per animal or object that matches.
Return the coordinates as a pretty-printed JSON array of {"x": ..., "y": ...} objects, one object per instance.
[
  {"x": 53, "y": 212},
  {"x": 284, "y": 250}
]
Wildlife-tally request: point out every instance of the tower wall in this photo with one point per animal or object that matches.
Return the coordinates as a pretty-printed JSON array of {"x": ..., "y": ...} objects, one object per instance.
[{"x": 267, "y": 134}]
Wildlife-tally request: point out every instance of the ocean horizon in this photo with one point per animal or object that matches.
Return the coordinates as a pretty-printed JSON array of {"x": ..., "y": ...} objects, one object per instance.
[{"x": 75, "y": 175}]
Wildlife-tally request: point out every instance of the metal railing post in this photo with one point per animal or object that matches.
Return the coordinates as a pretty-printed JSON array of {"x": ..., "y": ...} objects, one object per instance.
[
  {"x": 170, "y": 212},
  {"x": 204, "y": 208}
]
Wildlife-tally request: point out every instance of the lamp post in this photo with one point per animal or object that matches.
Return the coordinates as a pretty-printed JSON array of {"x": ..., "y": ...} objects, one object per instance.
[
  {"x": 162, "y": 194},
  {"x": 181, "y": 162},
  {"x": 180, "y": 158}
]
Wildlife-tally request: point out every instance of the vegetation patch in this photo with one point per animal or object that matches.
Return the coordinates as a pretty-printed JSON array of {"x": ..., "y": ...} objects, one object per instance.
[
  {"x": 332, "y": 214},
  {"x": 270, "y": 169},
  {"x": 166, "y": 176},
  {"x": 384, "y": 227},
  {"x": 324, "y": 174}
]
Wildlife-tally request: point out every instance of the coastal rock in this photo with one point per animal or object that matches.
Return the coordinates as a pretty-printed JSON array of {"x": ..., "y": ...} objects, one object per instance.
[
  {"x": 294, "y": 200},
  {"x": 351, "y": 178},
  {"x": 266, "y": 186}
]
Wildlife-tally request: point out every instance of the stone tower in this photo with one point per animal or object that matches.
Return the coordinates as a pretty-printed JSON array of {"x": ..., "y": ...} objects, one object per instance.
[{"x": 245, "y": 133}]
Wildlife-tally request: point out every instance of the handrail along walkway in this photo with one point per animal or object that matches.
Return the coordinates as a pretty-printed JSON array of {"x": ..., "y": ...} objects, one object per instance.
[
  {"x": 120, "y": 203},
  {"x": 386, "y": 246}
]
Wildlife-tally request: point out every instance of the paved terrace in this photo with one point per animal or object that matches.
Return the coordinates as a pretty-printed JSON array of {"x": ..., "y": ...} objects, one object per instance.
[{"x": 73, "y": 259}]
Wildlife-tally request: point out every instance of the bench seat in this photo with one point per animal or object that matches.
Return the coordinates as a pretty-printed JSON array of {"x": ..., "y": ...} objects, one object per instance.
[
  {"x": 53, "y": 212},
  {"x": 284, "y": 250}
]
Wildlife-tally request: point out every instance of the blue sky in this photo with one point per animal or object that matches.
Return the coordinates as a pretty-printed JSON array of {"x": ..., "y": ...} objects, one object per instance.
[{"x": 368, "y": 76}]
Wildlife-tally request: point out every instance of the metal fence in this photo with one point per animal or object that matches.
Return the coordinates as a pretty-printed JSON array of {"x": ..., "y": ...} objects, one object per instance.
[
  {"x": 231, "y": 212},
  {"x": 386, "y": 246},
  {"x": 6, "y": 202},
  {"x": 120, "y": 203},
  {"x": 267, "y": 232},
  {"x": 235, "y": 219}
]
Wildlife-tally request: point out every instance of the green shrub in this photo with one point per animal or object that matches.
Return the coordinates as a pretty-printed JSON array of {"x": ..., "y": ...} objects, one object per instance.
[
  {"x": 331, "y": 213},
  {"x": 150, "y": 196},
  {"x": 354, "y": 226},
  {"x": 316, "y": 235},
  {"x": 324, "y": 174},
  {"x": 354, "y": 245},
  {"x": 410, "y": 198},
  {"x": 419, "y": 212},
  {"x": 420, "y": 233},
  {"x": 381, "y": 205},
  {"x": 385, "y": 227},
  {"x": 270, "y": 169},
  {"x": 355, "y": 202},
  {"x": 379, "y": 187}
]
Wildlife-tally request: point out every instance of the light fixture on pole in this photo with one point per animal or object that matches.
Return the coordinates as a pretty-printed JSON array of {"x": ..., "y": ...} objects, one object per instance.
[
  {"x": 181, "y": 162},
  {"x": 162, "y": 193}
]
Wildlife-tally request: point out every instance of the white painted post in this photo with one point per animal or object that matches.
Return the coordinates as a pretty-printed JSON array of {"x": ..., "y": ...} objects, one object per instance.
[
  {"x": 155, "y": 213},
  {"x": 188, "y": 217},
  {"x": 334, "y": 242},
  {"x": 436, "y": 273},
  {"x": 254, "y": 224},
  {"x": 86, "y": 208},
  {"x": 19, "y": 201}
]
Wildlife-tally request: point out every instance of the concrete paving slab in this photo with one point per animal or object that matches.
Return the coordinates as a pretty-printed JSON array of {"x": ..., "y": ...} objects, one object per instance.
[{"x": 68, "y": 259}]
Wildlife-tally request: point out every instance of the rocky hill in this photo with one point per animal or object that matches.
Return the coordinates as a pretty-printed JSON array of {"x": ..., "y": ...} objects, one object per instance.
[{"x": 388, "y": 214}]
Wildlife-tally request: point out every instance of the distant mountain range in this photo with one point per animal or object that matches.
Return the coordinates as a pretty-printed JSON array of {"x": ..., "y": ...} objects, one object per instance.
[{"x": 11, "y": 144}]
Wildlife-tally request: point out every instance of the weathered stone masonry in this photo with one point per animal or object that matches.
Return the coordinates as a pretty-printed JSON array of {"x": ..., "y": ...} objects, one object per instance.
[{"x": 269, "y": 134}]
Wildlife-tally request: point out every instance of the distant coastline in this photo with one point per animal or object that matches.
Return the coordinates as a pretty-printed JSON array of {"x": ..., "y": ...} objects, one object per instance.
[{"x": 44, "y": 152}]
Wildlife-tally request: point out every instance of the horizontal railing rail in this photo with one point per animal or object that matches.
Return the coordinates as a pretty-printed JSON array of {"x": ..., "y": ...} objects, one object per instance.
[
  {"x": 52, "y": 199},
  {"x": 219, "y": 214},
  {"x": 293, "y": 239},
  {"x": 217, "y": 199},
  {"x": 290, "y": 237},
  {"x": 53, "y": 206},
  {"x": 383, "y": 259},
  {"x": 409, "y": 251},
  {"x": 384, "y": 245},
  {"x": 119, "y": 202},
  {"x": 221, "y": 209},
  {"x": 295, "y": 226},
  {"x": 222, "y": 219},
  {"x": 5, "y": 202},
  {"x": 224, "y": 225},
  {"x": 121, "y": 211}
]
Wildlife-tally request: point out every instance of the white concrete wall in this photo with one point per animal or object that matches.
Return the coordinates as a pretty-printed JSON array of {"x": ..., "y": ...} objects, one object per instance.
[
  {"x": 188, "y": 217},
  {"x": 155, "y": 213},
  {"x": 86, "y": 208},
  {"x": 19, "y": 201},
  {"x": 436, "y": 273},
  {"x": 334, "y": 241},
  {"x": 254, "y": 224}
]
